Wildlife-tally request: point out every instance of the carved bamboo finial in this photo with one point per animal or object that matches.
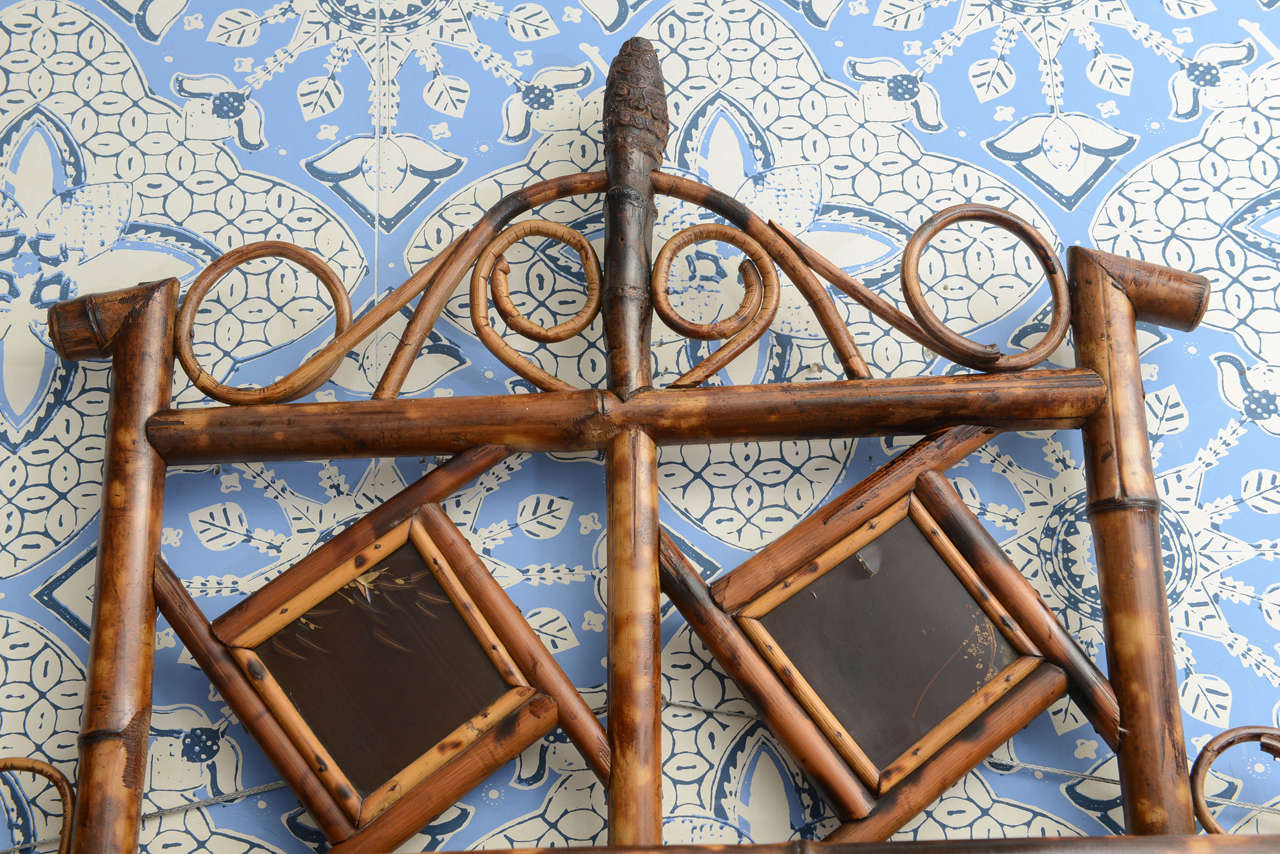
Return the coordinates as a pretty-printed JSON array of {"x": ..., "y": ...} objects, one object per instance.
[{"x": 635, "y": 102}]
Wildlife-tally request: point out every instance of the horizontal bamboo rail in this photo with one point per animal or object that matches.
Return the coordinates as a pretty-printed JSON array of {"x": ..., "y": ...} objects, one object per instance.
[
  {"x": 558, "y": 421},
  {"x": 1032, "y": 845}
]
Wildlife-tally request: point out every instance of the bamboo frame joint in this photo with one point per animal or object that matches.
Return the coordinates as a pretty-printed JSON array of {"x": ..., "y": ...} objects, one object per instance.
[{"x": 86, "y": 327}]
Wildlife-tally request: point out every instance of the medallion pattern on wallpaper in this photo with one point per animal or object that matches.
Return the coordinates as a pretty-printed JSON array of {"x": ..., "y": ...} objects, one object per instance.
[
  {"x": 141, "y": 138},
  {"x": 383, "y": 174},
  {"x": 100, "y": 177}
]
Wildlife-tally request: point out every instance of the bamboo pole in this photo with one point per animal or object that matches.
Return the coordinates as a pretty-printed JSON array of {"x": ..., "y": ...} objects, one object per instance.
[
  {"x": 1110, "y": 295},
  {"x": 136, "y": 328},
  {"x": 635, "y": 731},
  {"x": 558, "y": 421},
  {"x": 635, "y": 134}
]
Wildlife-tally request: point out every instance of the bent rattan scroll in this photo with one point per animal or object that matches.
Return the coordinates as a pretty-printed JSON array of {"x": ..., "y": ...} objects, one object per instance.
[{"x": 839, "y": 722}]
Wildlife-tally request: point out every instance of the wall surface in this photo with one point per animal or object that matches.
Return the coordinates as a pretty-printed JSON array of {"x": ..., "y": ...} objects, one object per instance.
[{"x": 142, "y": 138}]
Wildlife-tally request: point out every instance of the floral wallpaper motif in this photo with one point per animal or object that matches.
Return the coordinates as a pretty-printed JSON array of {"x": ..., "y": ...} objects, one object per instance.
[{"x": 142, "y": 138}]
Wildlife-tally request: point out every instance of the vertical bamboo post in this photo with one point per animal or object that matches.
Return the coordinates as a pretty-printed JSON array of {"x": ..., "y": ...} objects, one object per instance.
[
  {"x": 635, "y": 134},
  {"x": 135, "y": 328},
  {"x": 1110, "y": 294}
]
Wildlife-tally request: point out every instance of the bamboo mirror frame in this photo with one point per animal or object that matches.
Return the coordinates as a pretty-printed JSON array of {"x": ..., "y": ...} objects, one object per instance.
[
  {"x": 359, "y": 567},
  {"x": 992, "y": 634},
  {"x": 1101, "y": 297},
  {"x": 876, "y": 798},
  {"x": 366, "y": 579}
]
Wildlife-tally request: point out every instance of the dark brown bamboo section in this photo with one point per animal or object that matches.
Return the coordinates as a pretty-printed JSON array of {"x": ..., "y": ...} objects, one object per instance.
[
  {"x": 1087, "y": 685},
  {"x": 1032, "y": 845},
  {"x": 1109, "y": 295},
  {"x": 558, "y": 421},
  {"x": 193, "y": 629},
  {"x": 1010, "y": 713},
  {"x": 784, "y": 716},
  {"x": 134, "y": 327},
  {"x": 521, "y": 641},
  {"x": 635, "y": 134}
]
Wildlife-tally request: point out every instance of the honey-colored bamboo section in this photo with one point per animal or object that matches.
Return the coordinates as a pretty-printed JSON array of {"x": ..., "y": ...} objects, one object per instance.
[
  {"x": 561, "y": 421},
  {"x": 1110, "y": 295},
  {"x": 135, "y": 327},
  {"x": 142, "y": 328},
  {"x": 1031, "y": 845}
]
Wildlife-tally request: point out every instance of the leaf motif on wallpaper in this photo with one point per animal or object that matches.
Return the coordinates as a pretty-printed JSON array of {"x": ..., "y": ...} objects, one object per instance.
[
  {"x": 220, "y": 526},
  {"x": 236, "y": 28},
  {"x": 900, "y": 14},
  {"x": 1270, "y": 600},
  {"x": 1206, "y": 698},
  {"x": 319, "y": 96},
  {"x": 991, "y": 78},
  {"x": 491, "y": 536},
  {"x": 1110, "y": 72},
  {"x": 1166, "y": 413},
  {"x": 1066, "y": 716},
  {"x": 968, "y": 492},
  {"x": 553, "y": 628},
  {"x": 1260, "y": 489},
  {"x": 1188, "y": 8},
  {"x": 448, "y": 94},
  {"x": 543, "y": 516},
  {"x": 552, "y": 573},
  {"x": 530, "y": 22}
]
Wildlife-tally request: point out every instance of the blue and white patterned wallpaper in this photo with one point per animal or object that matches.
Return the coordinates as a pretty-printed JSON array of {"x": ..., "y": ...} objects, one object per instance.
[{"x": 141, "y": 138}]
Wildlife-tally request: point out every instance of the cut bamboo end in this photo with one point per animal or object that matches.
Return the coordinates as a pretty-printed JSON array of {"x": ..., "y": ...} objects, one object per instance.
[
  {"x": 1161, "y": 295},
  {"x": 86, "y": 327}
]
